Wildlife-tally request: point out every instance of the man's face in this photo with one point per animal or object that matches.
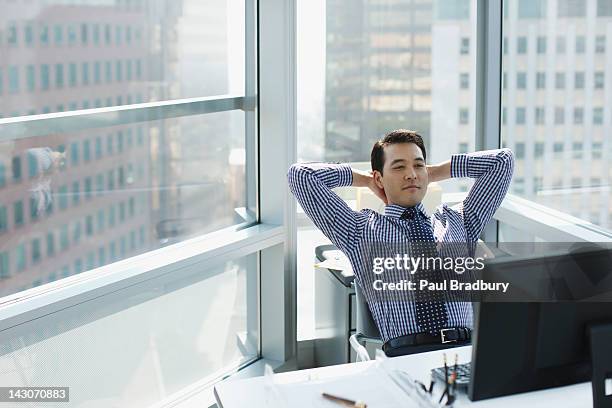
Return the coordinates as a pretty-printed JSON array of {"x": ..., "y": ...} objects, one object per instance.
[{"x": 404, "y": 177}]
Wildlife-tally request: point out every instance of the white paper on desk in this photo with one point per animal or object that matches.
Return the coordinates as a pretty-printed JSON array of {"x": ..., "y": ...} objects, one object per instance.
[
  {"x": 371, "y": 387},
  {"x": 335, "y": 264}
]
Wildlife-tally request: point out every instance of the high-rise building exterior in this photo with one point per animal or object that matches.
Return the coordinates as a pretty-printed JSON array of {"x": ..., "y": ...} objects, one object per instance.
[
  {"x": 70, "y": 202},
  {"x": 412, "y": 64}
]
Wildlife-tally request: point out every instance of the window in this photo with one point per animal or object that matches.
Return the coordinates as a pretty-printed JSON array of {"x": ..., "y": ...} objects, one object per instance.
[
  {"x": 50, "y": 244},
  {"x": 600, "y": 44},
  {"x": 577, "y": 152},
  {"x": 3, "y": 219},
  {"x": 16, "y": 168},
  {"x": 560, "y": 45},
  {"x": 598, "y": 116},
  {"x": 520, "y": 116},
  {"x": 539, "y": 115},
  {"x": 599, "y": 80},
  {"x": 72, "y": 74},
  {"x": 519, "y": 150},
  {"x": 604, "y": 8},
  {"x": 580, "y": 44},
  {"x": 5, "y": 270},
  {"x": 12, "y": 34},
  {"x": 59, "y": 76},
  {"x": 18, "y": 213},
  {"x": 30, "y": 77},
  {"x": 86, "y": 151},
  {"x": 465, "y": 46},
  {"x": 571, "y": 8},
  {"x": 540, "y": 80},
  {"x": 13, "y": 74},
  {"x": 58, "y": 34},
  {"x": 532, "y": 8},
  {"x": 76, "y": 195},
  {"x": 521, "y": 80},
  {"x": 579, "y": 80},
  {"x": 464, "y": 116},
  {"x": 63, "y": 197},
  {"x": 44, "y": 77},
  {"x": 559, "y": 116},
  {"x": 578, "y": 116},
  {"x": 560, "y": 80},
  {"x": 35, "y": 250},
  {"x": 521, "y": 45},
  {"x": 464, "y": 81},
  {"x": 596, "y": 150},
  {"x": 541, "y": 45},
  {"x": 20, "y": 257},
  {"x": 558, "y": 147},
  {"x": 2, "y": 175}
]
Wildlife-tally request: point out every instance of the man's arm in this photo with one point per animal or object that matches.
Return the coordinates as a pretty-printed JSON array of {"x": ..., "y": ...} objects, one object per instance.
[
  {"x": 311, "y": 184},
  {"x": 492, "y": 170}
]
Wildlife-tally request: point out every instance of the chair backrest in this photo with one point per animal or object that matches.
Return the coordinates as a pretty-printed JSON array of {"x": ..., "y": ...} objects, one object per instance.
[{"x": 365, "y": 322}]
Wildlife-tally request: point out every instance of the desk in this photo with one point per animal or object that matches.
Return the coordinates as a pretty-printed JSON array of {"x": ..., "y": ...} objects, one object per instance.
[{"x": 250, "y": 392}]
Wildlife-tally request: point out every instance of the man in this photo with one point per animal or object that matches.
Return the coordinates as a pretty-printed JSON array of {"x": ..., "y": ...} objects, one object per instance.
[{"x": 400, "y": 178}]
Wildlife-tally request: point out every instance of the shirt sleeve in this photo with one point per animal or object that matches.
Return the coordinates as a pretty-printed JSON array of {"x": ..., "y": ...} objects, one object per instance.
[
  {"x": 492, "y": 170},
  {"x": 311, "y": 184}
]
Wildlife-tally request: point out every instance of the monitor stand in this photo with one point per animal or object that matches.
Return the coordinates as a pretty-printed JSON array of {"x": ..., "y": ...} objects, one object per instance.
[{"x": 601, "y": 358}]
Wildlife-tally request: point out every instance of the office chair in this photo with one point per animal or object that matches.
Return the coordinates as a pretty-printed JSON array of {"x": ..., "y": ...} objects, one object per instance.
[{"x": 367, "y": 331}]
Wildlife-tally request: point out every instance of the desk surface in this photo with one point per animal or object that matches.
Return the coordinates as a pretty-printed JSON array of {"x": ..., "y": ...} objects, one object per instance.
[{"x": 251, "y": 392}]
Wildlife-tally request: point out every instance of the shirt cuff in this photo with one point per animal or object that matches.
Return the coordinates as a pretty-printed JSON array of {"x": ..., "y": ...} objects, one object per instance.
[
  {"x": 345, "y": 175},
  {"x": 459, "y": 165}
]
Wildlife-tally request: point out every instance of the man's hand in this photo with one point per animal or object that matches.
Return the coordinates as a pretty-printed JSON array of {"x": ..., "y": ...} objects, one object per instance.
[
  {"x": 439, "y": 172},
  {"x": 366, "y": 179}
]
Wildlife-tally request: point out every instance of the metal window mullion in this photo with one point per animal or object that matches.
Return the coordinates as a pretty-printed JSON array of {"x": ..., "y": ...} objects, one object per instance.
[
  {"x": 488, "y": 84},
  {"x": 74, "y": 121}
]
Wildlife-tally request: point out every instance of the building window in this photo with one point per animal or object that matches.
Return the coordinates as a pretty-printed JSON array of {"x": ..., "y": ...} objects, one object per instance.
[
  {"x": 560, "y": 45},
  {"x": 559, "y": 116},
  {"x": 20, "y": 258},
  {"x": 71, "y": 34},
  {"x": 598, "y": 116},
  {"x": 76, "y": 232},
  {"x": 50, "y": 244},
  {"x": 3, "y": 219},
  {"x": 44, "y": 77},
  {"x": 578, "y": 116},
  {"x": 521, "y": 45},
  {"x": 87, "y": 187},
  {"x": 35, "y": 250},
  {"x": 16, "y": 168},
  {"x": 30, "y": 76},
  {"x": 597, "y": 150},
  {"x": 540, "y": 80},
  {"x": 580, "y": 44},
  {"x": 58, "y": 34},
  {"x": 464, "y": 49},
  {"x": 108, "y": 69},
  {"x": 519, "y": 150},
  {"x": 604, "y": 8},
  {"x": 13, "y": 74},
  {"x": 59, "y": 76},
  {"x": 577, "y": 150},
  {"x": 571, "y": 8},
  {"x": 64, "y": 237},
  {"x": 464, "y": 81},
  {"x": 75, "y": 192},
  {"x": 85, "y": 73},
  {"x": 63, "y": 197},
  {"x": 520, "y": 116},
  {"x": 541, "y": 45},
  {"x": 579, "y": 80},
  {"x": 5, "y": 271},
  {"x": 98, "y": 147},
  {"x": 560, "y": 80},
  {"x": 521, "y": 80},
  {"x": 532, "y": 8},
  {"x": 539, "y": 149},
  {"x": 464, "y": 116},
  {"x": 599, "y": 80},
  {"x": 539, "y": 115},
  {"x": 86, "y": 151},
  {"x": 600, "y": 44},
  {"x": 18, "y": 213},
  {"x": 72, "y": 74},
  {"x": 89, "y": 225}
]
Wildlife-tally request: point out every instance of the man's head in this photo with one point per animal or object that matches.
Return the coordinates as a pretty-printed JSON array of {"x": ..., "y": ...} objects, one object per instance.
[{"x": 398, "y": 167}]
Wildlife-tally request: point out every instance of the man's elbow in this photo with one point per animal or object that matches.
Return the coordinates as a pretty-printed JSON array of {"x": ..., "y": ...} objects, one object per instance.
[{"x": 505, "y": 159}]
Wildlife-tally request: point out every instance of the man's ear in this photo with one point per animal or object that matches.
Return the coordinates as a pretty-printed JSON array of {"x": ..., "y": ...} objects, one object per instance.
[{"x": 378, "y": 179}]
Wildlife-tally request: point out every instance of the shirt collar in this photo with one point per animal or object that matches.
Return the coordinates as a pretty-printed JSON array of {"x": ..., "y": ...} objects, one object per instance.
[{"x": 396, "y": 210}]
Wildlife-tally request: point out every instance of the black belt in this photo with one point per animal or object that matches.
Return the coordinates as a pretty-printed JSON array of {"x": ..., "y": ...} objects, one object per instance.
[{"x": 446, "y": 336}]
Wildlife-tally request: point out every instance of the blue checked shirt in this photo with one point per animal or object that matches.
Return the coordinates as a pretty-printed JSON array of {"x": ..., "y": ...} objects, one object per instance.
[{"x": 312, "y": 184}]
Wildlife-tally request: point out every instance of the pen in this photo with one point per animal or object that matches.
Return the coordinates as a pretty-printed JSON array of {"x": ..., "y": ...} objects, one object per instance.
[
  {"x": 455, "y": 373},
  {"x": 445, "y": 380},
  {"x": 344, "y": 401}
]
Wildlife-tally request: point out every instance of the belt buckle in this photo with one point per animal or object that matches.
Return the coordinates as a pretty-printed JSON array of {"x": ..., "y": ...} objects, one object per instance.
[{"x": 444, "y": 341}]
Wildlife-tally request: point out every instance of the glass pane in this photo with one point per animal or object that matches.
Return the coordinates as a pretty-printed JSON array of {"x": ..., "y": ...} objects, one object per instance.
[
  {"x": 91, "y": 54},
  {"x": 367, "y": 68},
  {"x": 147, "y": 341},
  {"x": 557, "y": 105},
  {"x": 82, "y": 200}
]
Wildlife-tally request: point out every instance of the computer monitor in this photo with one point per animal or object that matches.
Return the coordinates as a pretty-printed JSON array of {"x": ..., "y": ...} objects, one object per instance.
[{"x": 525, "y": 346}]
